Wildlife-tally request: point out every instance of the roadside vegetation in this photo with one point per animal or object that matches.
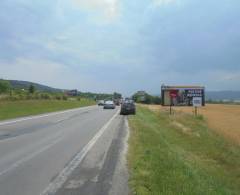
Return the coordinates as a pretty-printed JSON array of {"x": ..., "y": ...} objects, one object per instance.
[
  {"x": 24, "y": 90},
  {"x": 13, "y": 109},
  {"x": 20, "y": 102},
  {"x": 145, "y": 98},
  {"x": 224, "y": 119},
  {"x": 180, "y": 154},
  {"x": 9, "y": 93}
]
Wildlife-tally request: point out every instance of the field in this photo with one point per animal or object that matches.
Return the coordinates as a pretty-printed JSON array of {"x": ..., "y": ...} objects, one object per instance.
[
  {"x": 224, "y": 119},
  {"x": 180, "y": 154},
  {"x": 13, "y": 109}
]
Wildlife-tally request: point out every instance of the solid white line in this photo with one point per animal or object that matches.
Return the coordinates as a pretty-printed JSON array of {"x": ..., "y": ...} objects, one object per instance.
[
  {"x": 59, "y": 121},
  {"x": 67, "y": 171},
  {"x": 41, "y": 116}
]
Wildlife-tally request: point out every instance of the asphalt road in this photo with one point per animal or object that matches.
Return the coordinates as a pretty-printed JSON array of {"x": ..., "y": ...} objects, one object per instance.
[{"x": 38, "y": 155}]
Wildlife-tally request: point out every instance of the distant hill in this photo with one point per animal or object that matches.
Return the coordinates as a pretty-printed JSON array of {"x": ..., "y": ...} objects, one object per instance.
[
  {"x": 223, "y": 95},
  {"x": 43, "y": 88},
  {"x": 25, "y": 85}
]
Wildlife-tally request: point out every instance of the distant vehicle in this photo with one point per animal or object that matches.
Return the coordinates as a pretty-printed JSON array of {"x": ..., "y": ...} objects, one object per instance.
[
  {"x": 117, "y": 102},
  {"x": 128, "y": 107},
  {"x": 101, "y": 102},
  {"x": 109, "y": 105}
]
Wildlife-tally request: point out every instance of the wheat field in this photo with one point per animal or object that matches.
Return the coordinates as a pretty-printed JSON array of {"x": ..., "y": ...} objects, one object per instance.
[{"x": 224, "y": 119}]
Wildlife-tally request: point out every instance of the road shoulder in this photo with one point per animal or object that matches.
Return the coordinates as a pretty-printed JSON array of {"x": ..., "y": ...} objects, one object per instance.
[{"x": 103, "y": 170}]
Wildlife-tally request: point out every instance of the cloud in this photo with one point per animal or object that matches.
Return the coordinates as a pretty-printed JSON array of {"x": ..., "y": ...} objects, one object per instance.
[
  {"x": 54, "y": 74},
  {"x": 65, "y": 45},
  {"x": 158, "y": 3},
  {"x": 36, "y": 70},
  {"x": 107, "y": 9}
]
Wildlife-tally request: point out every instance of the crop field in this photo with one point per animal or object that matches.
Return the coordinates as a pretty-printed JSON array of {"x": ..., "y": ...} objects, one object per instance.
[
  {"x": 224, "y": 119},
  {"x": 181, "y": 154}
]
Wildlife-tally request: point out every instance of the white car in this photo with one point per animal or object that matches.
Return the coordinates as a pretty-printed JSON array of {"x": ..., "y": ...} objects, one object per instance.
[
  {"x": 101, "y": 102},
  {"x": 109, "y": 105}
]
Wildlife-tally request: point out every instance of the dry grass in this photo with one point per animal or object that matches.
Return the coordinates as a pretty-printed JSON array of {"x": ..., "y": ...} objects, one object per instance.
[
  {"x": 179, "y": 154},
  {"x": 224, "y": 119}
]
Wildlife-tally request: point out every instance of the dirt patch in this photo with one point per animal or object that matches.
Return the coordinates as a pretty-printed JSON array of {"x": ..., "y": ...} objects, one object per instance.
[{"x": 224, "y": 119}]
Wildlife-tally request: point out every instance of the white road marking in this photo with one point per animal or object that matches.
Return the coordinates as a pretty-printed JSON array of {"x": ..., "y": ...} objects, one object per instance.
[
  {"x": 61, "y": 120},
  {"x": 41, "y": 116},
  {"x": 67, "y": 171}
]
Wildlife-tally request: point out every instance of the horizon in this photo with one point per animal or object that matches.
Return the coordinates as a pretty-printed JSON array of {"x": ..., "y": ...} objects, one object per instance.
[
  {"x": 99, "y": 92},
  {"x": 112, "y": 45}
]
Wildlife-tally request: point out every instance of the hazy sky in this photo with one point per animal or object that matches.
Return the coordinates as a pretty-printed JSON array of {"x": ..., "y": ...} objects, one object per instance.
[{"x": 121, "y": 45}]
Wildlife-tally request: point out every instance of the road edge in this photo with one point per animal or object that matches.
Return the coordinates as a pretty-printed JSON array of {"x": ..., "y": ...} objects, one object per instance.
[
  {"x": 121, "y": 175},
  {"x": 30, "y": 117},
  {"x": 67, "y": 171}
]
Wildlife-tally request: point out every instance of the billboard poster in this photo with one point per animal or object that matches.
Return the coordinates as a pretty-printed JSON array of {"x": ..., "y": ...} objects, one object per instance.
[
  {"x": 197, "y": 101},
  {"x": 183, "y": 96}
]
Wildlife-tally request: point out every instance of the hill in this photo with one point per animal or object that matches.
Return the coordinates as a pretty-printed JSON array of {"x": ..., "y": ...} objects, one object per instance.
[
  {"x": 43, "y": 88},
  {"x": 25, "y": 85},
  {"x": 223, "y": 95}
]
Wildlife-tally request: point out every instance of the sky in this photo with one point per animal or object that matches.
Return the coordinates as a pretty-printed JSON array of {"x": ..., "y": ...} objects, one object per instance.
[{"x": 121, "y": 45}]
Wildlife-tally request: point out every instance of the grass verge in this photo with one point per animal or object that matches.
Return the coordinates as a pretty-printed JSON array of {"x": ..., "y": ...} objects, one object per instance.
[
  {"x": 180, "y": 155},
  {"x": 13, "y": 109}
]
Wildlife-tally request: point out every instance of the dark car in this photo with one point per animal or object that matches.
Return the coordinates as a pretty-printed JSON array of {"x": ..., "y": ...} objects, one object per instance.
[
  {"x": 117, "y": 102},
  {"x": 128, "y": 107}
]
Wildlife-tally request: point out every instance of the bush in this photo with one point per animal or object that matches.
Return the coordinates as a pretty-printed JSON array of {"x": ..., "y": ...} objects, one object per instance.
[
  {"x": 29, "y": 97},
  {"x": 4, "y": 86},
  {"x": 146, "y": 98},
  {"x": 64, "y": 97},
  {"x": 36, "y": 96},
  {"x": 14, "y": 97},
  {"x": 21, "y": 96},
  {"x": 58, "y": 97},
  {"x": 156, "y": 100},
  {"x": 45, "y": 96}
]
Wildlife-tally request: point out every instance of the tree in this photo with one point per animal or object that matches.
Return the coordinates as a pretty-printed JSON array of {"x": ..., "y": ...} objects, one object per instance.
[
  {"x": 145, "y": 98},
  {"x": 157, "y": 100},
  {"x": 31, "y": 89},
  {"x": 117, "y": 95},
  {"x": 4, "y": 86}
]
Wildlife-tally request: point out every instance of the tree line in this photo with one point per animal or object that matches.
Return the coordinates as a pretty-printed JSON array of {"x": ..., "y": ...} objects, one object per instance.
[
  {"x": 8, "y": 92},
  {"x": 145, "y": 98}
]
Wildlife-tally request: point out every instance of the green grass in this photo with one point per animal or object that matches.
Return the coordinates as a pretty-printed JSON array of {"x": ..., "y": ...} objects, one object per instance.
[
  {"x": 180, "y": 155},
  {"x": 13, "y": 109}
]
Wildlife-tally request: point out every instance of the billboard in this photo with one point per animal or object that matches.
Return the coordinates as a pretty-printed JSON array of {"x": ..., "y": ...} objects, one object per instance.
[{"x": 183, "y": 96}]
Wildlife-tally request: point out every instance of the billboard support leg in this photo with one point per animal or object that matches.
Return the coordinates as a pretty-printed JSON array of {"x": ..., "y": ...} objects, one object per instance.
[
  {"x": 196, "y": 111},
  {"x": 171, "y": 103}
]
